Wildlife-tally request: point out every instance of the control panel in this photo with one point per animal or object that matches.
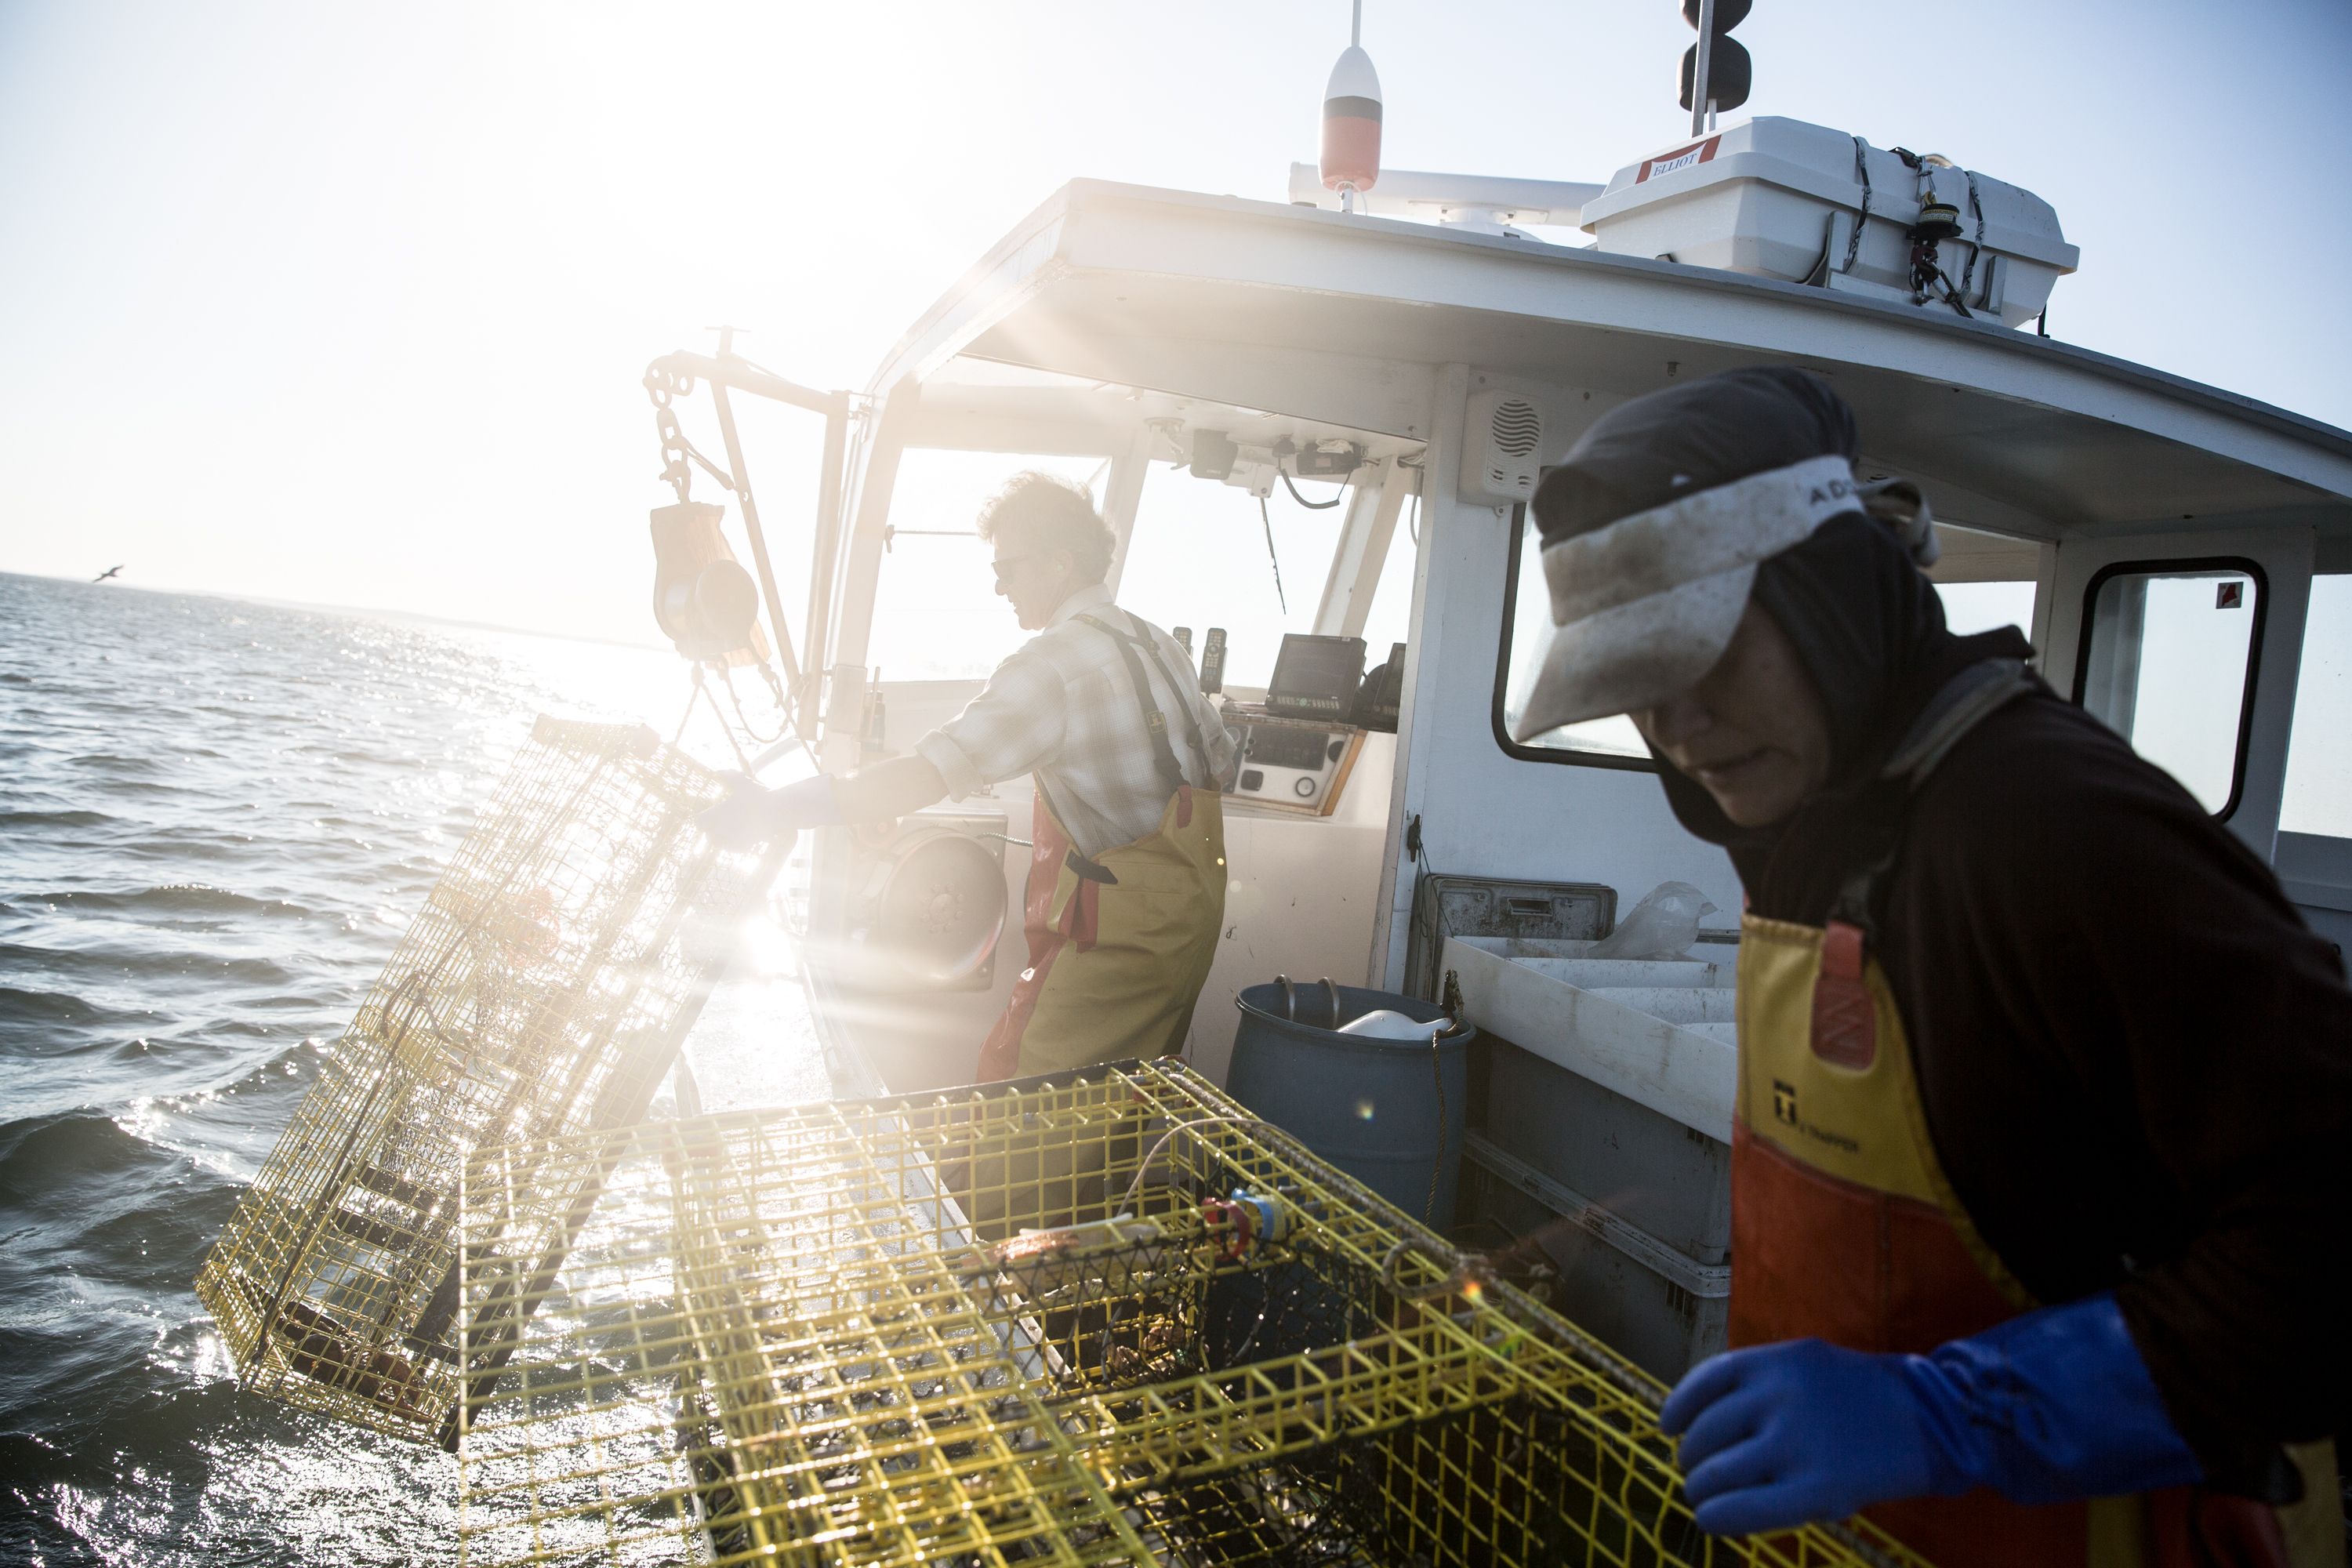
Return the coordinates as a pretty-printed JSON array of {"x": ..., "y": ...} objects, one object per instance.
[{"x": 1297, "y": 764}]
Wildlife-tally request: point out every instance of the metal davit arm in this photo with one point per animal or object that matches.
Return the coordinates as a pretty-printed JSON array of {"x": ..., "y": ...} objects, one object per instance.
[{"x": 727, "y": 370}]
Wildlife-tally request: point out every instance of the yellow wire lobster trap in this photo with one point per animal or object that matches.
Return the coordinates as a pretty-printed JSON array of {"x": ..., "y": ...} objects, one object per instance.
[
  {"x": 544, "y": 990},
  {"x": 1113, "y": 1319}
]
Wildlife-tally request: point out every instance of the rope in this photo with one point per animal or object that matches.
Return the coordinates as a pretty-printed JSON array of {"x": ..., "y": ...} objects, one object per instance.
[
  {"x": 1976, "y": 246},
  {"x": 1437, "y": 1076},
  {"x": 1861, "y": 172},
  {"x": 735, "y": 701},
  {"x": 703, "y": 690},
  {"x": 1126, "y": 1201}
]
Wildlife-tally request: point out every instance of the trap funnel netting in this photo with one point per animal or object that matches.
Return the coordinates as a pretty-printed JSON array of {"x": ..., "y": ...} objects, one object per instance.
[
  {"x": 778, "y": 1340},
  {"x": 543, "y": 991}
]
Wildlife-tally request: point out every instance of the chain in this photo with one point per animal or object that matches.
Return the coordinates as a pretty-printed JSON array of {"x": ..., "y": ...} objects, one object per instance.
[{"x": 664, "y": 387}]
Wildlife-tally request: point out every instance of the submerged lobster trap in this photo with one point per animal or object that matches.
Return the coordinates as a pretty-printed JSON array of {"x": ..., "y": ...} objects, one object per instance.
[
  {"x": 544, "y": 990},
  {"x": 1113, "y": 1319}
]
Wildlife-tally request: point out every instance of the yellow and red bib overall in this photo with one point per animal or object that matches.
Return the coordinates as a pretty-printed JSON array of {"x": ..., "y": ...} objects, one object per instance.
[
  {"x": 1845, "y": 1228},
  {"x": 1119, "y": 945}
]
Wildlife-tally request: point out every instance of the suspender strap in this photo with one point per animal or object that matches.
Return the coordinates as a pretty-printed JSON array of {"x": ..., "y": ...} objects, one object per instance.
[
  {"x": 1163, "y": 755},
  {"x": 1845, "y": 1025},
  {"x": 1968, "y": 699},
  {"x": 1154, "y": 720},
  {"x": 1191, "y": 684}
]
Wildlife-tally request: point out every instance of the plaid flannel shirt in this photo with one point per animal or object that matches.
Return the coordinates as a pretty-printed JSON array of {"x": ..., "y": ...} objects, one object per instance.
[{"x": 1064, "y": 707}]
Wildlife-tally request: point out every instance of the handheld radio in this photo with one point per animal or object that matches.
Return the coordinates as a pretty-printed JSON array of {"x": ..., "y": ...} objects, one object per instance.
[{"x": 1213, "y": 662}]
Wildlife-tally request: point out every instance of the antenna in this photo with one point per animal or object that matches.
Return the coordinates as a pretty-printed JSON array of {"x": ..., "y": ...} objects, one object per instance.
[
  {"x": 1716, "y": 71},
  {"x": 1701, "y": 105},
  {"x": 1355, "y": 27}
]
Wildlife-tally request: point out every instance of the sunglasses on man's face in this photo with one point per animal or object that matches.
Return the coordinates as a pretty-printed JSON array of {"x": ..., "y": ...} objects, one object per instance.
[{"x": 1004, "y": 563}]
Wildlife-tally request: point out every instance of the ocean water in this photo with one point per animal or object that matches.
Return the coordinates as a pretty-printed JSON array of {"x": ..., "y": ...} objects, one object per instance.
[{"x": 216, "y": 820}]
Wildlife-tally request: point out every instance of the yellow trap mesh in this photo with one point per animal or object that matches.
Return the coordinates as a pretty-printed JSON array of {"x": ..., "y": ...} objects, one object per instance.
[
  {"x": 543, "y": 991},
  {"x": 820, "y": 1335}
]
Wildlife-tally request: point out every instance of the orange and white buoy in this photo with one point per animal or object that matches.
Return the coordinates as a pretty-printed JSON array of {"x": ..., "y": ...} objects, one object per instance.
[{"x": 1351, "y": 126}]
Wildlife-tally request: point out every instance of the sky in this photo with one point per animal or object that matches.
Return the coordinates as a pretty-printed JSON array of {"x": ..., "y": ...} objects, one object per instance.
[{"x": 349, "y": 305}]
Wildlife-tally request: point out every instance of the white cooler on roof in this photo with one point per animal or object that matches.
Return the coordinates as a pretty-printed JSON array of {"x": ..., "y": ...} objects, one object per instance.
[{"x": 1780, "y": 198}]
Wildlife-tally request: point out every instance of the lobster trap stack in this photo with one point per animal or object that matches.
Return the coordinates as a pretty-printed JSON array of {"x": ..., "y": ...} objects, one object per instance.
[
  {"x": 542, "y": 991},
  {"x": 1113, "y": 1319}
]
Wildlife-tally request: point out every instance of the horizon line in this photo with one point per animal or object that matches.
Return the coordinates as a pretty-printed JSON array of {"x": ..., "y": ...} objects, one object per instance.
[{"x": 346, "y": 609}]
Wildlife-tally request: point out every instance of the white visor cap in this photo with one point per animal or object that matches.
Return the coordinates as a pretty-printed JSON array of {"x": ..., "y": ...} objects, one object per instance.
[{"x": 1643, "y": 607}]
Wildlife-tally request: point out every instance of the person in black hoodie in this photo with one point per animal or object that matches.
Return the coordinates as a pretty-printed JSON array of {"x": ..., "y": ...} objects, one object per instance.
[{"x": 2044, "y": 1116}]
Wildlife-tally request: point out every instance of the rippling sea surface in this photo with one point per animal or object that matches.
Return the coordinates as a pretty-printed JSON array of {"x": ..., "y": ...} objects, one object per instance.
[{"x": 216, "y": 820}]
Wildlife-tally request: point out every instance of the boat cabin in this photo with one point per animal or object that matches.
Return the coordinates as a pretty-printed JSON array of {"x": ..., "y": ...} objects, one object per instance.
[{"x": 1306, "y": 422}]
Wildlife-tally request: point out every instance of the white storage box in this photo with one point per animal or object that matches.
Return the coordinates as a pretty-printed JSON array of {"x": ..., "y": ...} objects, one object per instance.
[
  {"x": 1658, "y": 1032},
  {"x": 1780, "y": 198}
]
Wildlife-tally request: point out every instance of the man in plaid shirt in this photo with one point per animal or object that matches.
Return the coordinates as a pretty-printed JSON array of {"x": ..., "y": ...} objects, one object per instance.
[{"x": 1127, "y": 878}]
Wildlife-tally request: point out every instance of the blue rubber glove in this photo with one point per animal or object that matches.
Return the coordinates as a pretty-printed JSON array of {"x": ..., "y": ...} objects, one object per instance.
[
  {"x": 2049, "y": 1406},
  {"x": 752, "y": 814}
]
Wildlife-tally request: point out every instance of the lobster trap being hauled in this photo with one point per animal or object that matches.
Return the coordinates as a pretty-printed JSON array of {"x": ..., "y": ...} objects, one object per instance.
[
  {"x": 1109, "y": 1319},
  {"x": 543, "y": 991}
]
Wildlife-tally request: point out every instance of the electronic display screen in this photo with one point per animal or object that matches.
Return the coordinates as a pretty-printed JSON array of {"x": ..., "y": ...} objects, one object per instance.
[{"x": 1313, "y": 666}]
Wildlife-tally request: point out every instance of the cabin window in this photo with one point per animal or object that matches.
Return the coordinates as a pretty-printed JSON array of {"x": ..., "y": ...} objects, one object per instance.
[
  {"x": 2319, "y": 757},
  {"x": 1973, "y": 607},
  {"x": 936, "y": 613},
  {"x": 1199, "y": 558},
  {"x": 1611, "y": 743},
  {"x": 1388, "y": 620},
  {"x": 1986, "y": 580},
  {"x": 2168, "y": 660}
]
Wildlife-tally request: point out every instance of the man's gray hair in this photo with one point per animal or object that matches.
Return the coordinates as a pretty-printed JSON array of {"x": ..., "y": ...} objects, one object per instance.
[{"x": 1043, "y": 511}]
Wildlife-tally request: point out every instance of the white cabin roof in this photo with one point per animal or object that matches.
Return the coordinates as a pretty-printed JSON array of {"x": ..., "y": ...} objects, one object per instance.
[{"x": 1344, "y": 319}]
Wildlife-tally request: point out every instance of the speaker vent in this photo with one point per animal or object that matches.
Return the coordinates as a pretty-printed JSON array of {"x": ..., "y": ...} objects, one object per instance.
[
  {"x": 1505, "y": 440},
  {"x": 1517, "y": 428}
]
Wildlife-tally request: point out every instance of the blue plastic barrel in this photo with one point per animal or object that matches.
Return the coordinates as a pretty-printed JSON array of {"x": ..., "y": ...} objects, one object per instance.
[{"x": 1378, "y": 1109}]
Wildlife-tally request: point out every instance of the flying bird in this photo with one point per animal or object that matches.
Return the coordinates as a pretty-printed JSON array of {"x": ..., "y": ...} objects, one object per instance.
[{"x": 109, "y": 572}]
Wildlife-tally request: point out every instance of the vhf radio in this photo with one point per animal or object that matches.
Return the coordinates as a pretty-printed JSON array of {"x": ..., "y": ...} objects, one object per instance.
[{"x": 1213, "y": 662}]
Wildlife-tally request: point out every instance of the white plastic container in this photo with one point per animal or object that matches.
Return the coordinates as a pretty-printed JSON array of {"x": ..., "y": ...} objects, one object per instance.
[
  {"x": 1606, "y": 1020},
  {"x": 1780, "y": 198}
]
